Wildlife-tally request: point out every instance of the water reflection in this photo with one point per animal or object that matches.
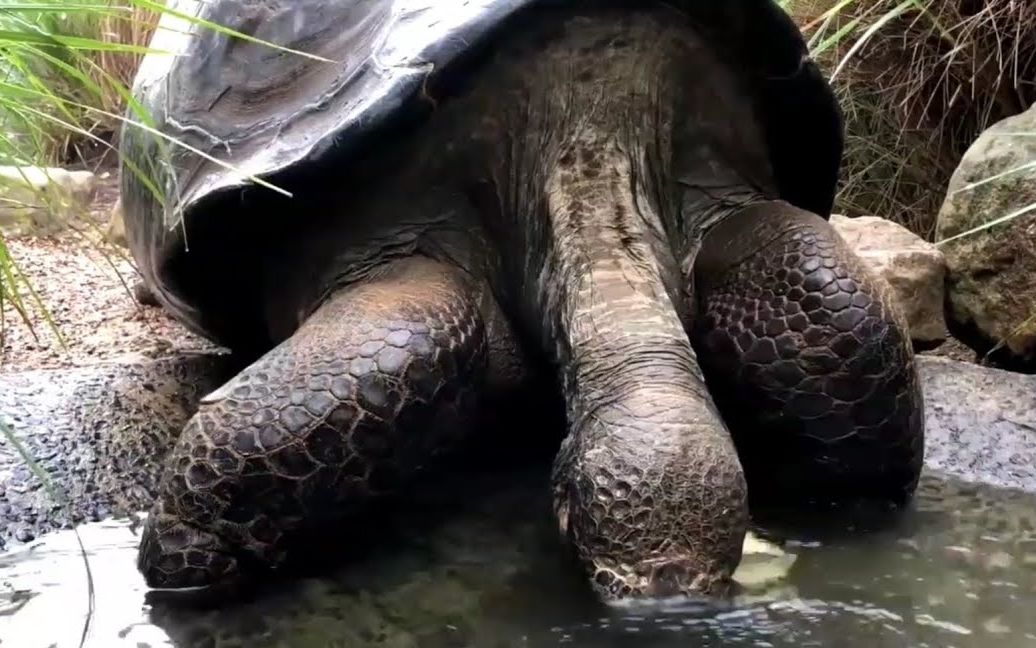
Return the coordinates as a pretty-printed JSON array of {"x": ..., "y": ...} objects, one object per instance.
[{"x": 958, "y": 570}]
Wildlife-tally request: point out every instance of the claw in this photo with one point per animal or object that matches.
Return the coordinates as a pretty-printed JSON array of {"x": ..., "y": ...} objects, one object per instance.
[{"x": 174, "y": 555}]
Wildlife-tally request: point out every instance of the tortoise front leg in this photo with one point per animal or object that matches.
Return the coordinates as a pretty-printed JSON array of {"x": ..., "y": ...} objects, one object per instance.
[
  {"x": 808, "y": 359},
  {"x": 376, "y": 382}
]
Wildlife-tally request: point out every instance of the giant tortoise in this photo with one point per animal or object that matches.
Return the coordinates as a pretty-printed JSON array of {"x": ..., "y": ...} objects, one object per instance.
[{"x": 437, "y": 196}]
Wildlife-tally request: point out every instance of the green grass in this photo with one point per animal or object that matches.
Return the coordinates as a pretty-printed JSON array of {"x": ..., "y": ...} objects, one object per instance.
[
  {"x": 65, "y": 66},
  {"x": 919, "y": 81},
  {"x": 68, "y": 52}
]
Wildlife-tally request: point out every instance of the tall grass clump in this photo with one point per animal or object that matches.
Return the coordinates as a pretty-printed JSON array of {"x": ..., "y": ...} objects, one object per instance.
[
  {"x": 65, "y": 69},
  {"x": 918, "y": 80},
  {"x": 66, "y": 66}
]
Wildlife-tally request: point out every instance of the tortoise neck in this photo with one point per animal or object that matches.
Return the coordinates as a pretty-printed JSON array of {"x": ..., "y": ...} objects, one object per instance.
[{"x": 610, "y": 291}]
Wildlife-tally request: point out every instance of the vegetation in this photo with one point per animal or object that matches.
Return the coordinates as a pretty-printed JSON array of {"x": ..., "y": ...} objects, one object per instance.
[
  {"x": 918, "y": 80},
  {"x": 65, "y": 66}
]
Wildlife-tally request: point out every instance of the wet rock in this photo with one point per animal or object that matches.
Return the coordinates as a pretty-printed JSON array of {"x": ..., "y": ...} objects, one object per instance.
[
  {"x": 38, "y": 200},
  {"x": 992, "y": 274},
  {"x": 914, "y": 268},
  {"x": 96, "y": 433},
  {"x": 981, "y": 423}
]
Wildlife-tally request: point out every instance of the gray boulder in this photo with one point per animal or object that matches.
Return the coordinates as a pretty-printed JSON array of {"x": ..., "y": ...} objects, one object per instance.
[
  {"x": 992, "y": 274},
  {"x": 981, "y": 423}
]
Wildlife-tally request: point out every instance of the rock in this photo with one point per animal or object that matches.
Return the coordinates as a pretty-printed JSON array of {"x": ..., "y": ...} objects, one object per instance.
[
  {"x": 914, "y": 268},
  {"x": 38, "y": 200},
  {"x": 991, "y": 282},
  {"x": 98, "y": 431},
  {"x": 981, "y": 423},
  {"x": 116, "y": 231},
  {"x": 144, "y": 296}
]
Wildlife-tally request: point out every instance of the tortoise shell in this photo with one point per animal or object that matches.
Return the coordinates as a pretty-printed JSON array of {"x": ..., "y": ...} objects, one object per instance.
[{"x": 244, "y": 111}]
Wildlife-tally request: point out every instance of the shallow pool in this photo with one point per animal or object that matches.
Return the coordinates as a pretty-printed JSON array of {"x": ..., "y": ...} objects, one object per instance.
[{"x": 959, "y": 569}]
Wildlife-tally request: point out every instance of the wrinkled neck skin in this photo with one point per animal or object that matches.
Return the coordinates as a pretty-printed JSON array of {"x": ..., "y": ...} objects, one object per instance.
[
  {"x": 616, "y": 164},
  {"x": 609, "y": 289}
]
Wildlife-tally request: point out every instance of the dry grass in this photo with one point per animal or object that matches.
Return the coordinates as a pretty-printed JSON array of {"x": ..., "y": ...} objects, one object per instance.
[
  {"x": 919, "y": 80},
  {"x": 111, "y": 70}
]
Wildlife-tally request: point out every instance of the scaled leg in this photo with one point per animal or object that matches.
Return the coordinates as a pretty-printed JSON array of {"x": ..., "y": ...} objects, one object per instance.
[{"x": 808, "y": 359}]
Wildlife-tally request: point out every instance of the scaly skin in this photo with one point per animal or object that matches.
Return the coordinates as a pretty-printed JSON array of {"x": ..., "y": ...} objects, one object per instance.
[
  {"x": 802, "y": 331},
  {"x": 596, "y": 157},
  {"x": 378, "y": 379}
]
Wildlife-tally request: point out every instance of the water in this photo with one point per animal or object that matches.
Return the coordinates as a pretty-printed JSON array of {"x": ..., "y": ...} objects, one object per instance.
[{"x": 958, "y": 570}]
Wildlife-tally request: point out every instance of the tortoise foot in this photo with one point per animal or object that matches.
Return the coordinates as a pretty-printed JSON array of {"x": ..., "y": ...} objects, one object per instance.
[
  {"x": 376, "y": 382},
  {"x": 175, "y": 555},
  {"x": 809, "y": 361}
]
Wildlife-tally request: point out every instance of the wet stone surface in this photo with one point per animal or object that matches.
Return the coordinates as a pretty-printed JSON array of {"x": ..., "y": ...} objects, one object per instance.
[
  {"x": 99, "y": 432},
  {"x": 981, "y": 423}
]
